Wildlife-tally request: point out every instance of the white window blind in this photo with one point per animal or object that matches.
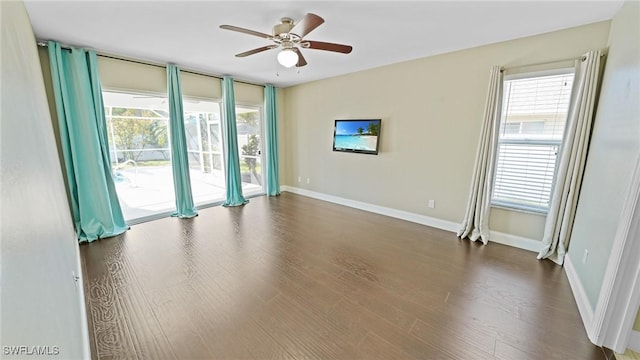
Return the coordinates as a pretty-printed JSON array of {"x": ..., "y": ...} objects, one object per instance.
[{"x": 532, "y": 123}]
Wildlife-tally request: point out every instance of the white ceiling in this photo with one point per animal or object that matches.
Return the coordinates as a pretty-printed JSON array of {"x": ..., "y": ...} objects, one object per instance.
[{"x": 187, "y": 33}]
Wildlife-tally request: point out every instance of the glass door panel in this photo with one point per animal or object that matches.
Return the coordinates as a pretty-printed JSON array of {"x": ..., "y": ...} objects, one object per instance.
[
  {"x": 137, "y": 127},
  {"x": 249, "y": 125},
  {"x": 204, "y": 146}
]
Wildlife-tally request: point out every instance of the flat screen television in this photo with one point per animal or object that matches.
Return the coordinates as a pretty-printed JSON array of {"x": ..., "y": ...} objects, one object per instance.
[{"x": 357, "y": 136}]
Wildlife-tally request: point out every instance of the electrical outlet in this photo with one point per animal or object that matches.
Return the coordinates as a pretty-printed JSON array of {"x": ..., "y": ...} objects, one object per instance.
[
  {"x": 308, "y": 181},
  {"x": 299, "y": 178},
  {"x": 432, "y": 204},
  {"x": 75, "y": 278},
  {"x": 584, "y": 257}
]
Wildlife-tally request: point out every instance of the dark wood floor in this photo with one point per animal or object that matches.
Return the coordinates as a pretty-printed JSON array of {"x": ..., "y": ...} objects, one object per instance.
[{"x": 297, "y": 278}]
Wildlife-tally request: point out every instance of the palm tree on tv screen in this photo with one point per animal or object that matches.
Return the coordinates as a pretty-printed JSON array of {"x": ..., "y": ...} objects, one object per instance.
[{"x": 373, "y": 129}]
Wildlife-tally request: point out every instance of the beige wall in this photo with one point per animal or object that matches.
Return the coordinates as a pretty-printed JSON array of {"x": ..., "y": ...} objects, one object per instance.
[
  {"x": 48, "y": 86},
  {"x": 614, "y": 147},
  {"x": 431, "y": 112}
]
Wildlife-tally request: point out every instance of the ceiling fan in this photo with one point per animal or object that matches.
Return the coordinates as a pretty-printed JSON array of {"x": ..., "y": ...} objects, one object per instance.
[{"x": 290, "y": 37}]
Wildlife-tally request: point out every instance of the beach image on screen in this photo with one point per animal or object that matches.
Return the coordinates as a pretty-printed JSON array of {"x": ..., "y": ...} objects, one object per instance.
[{"x": 357, "y": 135}]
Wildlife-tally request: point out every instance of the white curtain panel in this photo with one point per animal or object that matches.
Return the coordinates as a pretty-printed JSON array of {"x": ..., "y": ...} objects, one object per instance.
[
  {"x": 475, "y": 225},
  {"x": 557, "y": 231}
]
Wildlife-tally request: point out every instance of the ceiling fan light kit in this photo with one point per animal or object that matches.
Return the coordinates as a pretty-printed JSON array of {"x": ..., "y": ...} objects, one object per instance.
[
  {"x": 287, "y": 58},
  {"x": 289, "y": 36}
]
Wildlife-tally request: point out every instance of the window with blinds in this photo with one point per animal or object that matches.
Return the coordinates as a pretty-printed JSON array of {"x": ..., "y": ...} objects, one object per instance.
[{"x": 532, "y": 123}]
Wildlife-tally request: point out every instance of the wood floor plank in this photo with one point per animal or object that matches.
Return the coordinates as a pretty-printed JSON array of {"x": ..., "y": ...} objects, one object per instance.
[
  {"x": 175, "y": 314},
  {"x": 88, "y": 307},
  {"x": 111, "y": 335},
  {"x": 236, "y": 336},
  {"x": 401, "y": 339},
  {"x": 464, "y": 342},
  {"x": 375, "y": 347},
  {"x": 225, "y": 317},
  {"x": 499, "y": 324},
  {"x": 507, "y": 352},
  {"x": 291, "y": 277},
  {"x": 147, "y": 337},
  {"x": 302, "y": 333}
]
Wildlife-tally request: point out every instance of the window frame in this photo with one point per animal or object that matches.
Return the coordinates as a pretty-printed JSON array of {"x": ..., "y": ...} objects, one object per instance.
[
  {"x": 519, "y": 206},
  {"x": 263, "y": 149}
]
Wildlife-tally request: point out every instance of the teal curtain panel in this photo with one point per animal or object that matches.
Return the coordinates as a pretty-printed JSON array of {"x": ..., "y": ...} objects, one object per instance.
[
  {"x": 234, "y": 182},
  {"x": 185, "y": 207},
  {"x": 271, "y": 112},
  {"x": 83, "y": 137}
]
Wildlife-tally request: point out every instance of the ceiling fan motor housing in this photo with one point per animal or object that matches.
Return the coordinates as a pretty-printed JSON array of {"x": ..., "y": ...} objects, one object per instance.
[{"x": 286, "y": 24}]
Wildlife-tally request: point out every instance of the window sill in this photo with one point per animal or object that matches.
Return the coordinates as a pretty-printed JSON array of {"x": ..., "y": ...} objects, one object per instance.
[{"x": 520, "y": 210}]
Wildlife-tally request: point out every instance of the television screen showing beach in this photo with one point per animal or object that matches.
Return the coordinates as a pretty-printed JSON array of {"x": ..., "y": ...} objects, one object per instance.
[{"x": 357, "y": 135}]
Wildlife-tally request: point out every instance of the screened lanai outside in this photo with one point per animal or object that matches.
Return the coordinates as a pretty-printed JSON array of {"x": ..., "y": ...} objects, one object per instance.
[
  {"x": 137, "y": 126},
  {"x": 140, "y": 157},
  {"x": 250, "y": 149},
  {"x": 204, "y": 145}
]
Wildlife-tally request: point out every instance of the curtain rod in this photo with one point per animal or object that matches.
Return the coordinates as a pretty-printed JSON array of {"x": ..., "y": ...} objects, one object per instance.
[
  {"x": 581, "y": 58},
  {"x": 45, "y": 44}
]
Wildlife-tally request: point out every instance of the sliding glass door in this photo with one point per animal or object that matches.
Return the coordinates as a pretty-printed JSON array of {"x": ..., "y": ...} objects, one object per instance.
[
  {"x": 137, "y": 127},
  {"x": 204, "y": 146},
  {"x": 250, "y": 149},
  {"x": 138, "y": 133}
]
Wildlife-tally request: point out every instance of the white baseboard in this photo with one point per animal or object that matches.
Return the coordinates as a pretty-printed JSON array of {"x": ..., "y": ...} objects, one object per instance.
[
  {"x": 382, "y": 210},
  {"x": 634, "y": 341},
  {"x": 515, "y": 241},
  {"x": 584, "y": 306},
  {"x": 497, "y": 237}
]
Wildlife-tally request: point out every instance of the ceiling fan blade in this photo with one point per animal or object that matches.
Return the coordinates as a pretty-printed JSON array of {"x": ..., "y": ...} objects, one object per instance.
[
  {"x": 307, "y": 24},
  {"x": 246, "y": 31},
  {"x": 319, "y": 45},
  {"x": 255, "y": 51},
  {"x": 301, "y": 59}
]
